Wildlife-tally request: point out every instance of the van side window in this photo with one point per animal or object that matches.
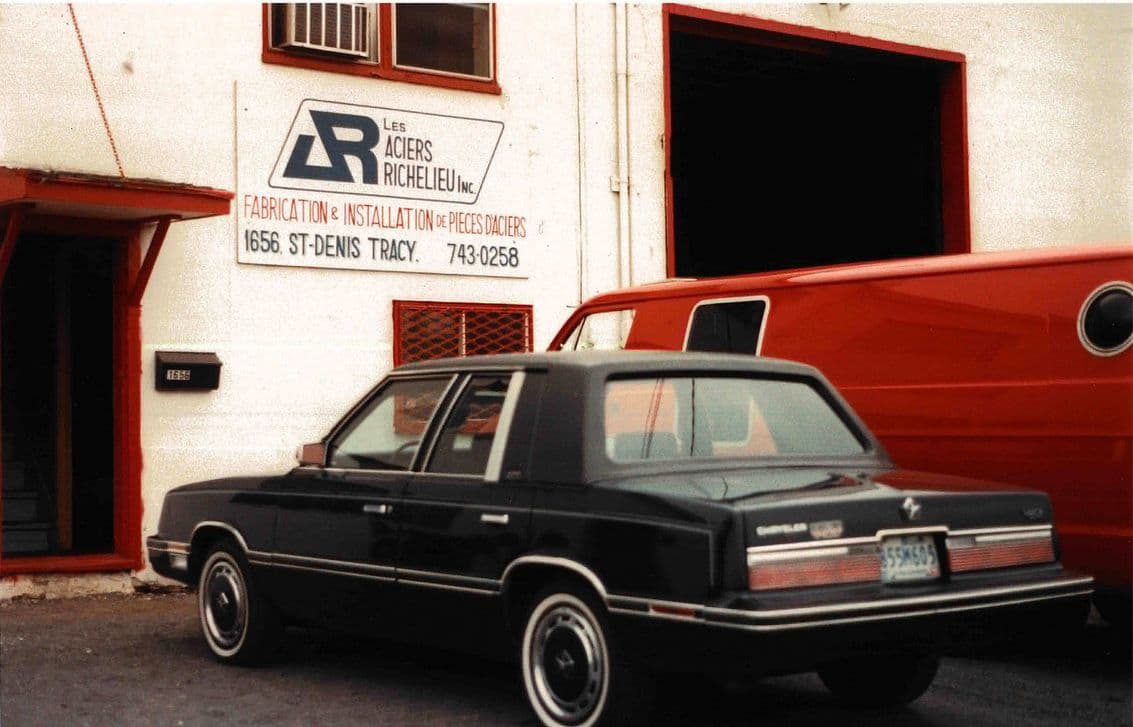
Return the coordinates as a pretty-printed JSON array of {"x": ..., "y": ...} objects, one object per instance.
[{"x": 727, "y": 327}]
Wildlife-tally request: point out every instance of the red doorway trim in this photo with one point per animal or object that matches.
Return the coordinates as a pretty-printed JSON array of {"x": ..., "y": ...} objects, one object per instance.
[
  {"x": 955, "y": 208},
  {"x": 117, "y": 210},
  {"x": 8, "y": 242}
]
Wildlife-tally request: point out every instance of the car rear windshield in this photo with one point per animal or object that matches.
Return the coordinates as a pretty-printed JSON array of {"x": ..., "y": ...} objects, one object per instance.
[{"x": 722, "y": 417}]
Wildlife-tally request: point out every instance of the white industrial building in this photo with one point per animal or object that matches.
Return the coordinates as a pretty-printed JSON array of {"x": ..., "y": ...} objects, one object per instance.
[{"x": 312, "y": 193}]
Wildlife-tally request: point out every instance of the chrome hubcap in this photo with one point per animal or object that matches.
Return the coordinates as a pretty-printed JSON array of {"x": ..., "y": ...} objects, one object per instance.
[
  {"x": 226, "y": 613},
  {"x": 568, "y": 664}
]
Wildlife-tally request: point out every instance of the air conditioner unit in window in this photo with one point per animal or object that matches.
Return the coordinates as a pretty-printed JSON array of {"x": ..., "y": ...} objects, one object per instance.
[{"x": 341, "y": 28}]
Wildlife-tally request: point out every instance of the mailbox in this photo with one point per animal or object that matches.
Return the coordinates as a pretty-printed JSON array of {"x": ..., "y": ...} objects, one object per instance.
[{"x": 186, "y": 371}]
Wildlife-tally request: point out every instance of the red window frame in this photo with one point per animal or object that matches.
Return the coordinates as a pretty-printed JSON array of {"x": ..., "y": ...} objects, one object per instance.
[
  {"x": 401, "y": 307},
  {"x": 384, "y": 68}
]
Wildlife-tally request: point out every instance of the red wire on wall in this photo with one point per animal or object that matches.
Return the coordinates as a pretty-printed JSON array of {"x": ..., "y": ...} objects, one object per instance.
[{"x": 97, "y": 95}]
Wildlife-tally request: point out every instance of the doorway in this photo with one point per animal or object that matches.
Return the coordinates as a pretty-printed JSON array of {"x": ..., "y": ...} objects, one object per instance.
[
  {"x": 792, "y": 149},
  {"x": 57, "y": 326}
]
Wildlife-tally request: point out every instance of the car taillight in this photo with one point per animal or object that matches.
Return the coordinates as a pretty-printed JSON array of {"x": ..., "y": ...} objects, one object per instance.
[
  {"x": 999, "y": 550},
  {"x": 813, "y": 567}
]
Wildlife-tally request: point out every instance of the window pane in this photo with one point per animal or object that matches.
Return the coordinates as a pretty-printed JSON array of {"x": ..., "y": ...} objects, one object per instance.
[
  {"x": 441, "y": 37},
  {"x": 727, "y": 327},
  {"x": 606, "y": 331},
  {"x": 676, "y": 418},
  {"x": 386, "y": 434},
  {"x": 466, "y": 440}
]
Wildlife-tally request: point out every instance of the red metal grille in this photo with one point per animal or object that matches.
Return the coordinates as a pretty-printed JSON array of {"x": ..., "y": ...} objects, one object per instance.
[{"x": 424, "y": 331}]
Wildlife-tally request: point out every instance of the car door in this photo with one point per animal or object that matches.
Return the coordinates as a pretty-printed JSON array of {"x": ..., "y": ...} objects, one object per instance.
[
  {"x": 336, "y": 532},
  {"x": 465, "y": 514}
]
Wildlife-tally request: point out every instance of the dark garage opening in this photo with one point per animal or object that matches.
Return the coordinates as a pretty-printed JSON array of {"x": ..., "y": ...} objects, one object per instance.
[{"x": 790, "y": 152}]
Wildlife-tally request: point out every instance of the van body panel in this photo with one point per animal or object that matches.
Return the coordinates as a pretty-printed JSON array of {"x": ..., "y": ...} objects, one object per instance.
[{"x": 966, "y": 364}]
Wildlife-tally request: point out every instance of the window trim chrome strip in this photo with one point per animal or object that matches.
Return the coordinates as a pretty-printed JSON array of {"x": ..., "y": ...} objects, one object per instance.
[
  {"x": 327, "y": 571},
  {"x": 304, "y": 561},
  {"x": 503, "y": 427}
]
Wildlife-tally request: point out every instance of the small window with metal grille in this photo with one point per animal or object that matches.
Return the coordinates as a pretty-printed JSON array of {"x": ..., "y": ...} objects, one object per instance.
[{"x": 424, "y": 331}]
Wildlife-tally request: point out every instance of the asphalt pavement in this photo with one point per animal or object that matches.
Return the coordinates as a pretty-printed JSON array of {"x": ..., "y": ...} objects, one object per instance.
[{"x": 140, "y": 660}]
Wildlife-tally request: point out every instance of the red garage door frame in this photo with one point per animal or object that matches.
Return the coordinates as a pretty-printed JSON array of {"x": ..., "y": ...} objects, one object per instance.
[
  {"x": 124, "y": 211},
  {"x": 956, "y": 215}
]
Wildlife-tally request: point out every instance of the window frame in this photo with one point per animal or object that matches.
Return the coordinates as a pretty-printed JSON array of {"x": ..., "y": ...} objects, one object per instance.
[
  {"x": 494, "y": 465},
  {"x": 363, "y": 408},
  {"x": 724, "y": 301},
  {"x": 385, "y": 67},
  {"x": 856, "y": 429}
]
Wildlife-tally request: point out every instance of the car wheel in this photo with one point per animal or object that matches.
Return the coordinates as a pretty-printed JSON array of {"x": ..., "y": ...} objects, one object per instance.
[
  {"x": 880, "y": 681},
  {"x": 240, "y": 626},
  {"x": 571, "y": 672}
]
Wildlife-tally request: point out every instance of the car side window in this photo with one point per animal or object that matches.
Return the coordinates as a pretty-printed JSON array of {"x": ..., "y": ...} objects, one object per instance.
[
  {"x": 465, "y": 441},
  {"x": 387, "y": 432}
]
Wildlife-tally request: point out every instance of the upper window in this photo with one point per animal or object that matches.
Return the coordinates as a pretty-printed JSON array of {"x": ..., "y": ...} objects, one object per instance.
[
  {"x": 683, "y": 417},
  {"x": 387, "y": 432},
  {"x": 603, "y": 331},
  {"x": 727, "y": 326},
  {"x": 451, "y": 45}
]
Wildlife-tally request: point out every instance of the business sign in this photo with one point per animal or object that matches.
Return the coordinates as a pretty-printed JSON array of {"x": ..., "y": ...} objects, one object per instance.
[
  {"x": 377, "y": 152},
  {"x": 373, "y": 188}
]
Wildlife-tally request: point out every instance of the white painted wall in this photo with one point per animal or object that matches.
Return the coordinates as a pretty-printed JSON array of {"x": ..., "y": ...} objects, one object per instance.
[{"x": 1049, "y": 103}]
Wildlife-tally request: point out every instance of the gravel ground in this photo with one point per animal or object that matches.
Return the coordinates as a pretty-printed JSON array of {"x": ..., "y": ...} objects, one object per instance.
[{"x": 140, "y": 660}]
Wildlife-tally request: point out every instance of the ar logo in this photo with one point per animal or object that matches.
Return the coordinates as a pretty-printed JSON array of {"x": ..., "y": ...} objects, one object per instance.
[{"x": 327, "y": 124}]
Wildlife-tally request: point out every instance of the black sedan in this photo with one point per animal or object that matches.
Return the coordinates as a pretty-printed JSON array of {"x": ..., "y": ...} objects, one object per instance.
[{"x": 605, "y": 517}]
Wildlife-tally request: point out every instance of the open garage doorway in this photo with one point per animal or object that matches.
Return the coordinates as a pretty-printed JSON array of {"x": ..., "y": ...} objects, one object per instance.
[{"x": 792, "y": 147}]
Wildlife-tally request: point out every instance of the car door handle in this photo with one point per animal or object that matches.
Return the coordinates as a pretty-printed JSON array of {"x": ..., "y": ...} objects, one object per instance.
[
  {"x": 382, "y": 509},
  {"x": 492, "y": 519}
]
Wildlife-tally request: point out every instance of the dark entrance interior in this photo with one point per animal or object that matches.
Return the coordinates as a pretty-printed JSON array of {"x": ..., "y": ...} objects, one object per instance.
[
  {"x": 56, "y": 334},
  {"x": 789, "y": 152}
]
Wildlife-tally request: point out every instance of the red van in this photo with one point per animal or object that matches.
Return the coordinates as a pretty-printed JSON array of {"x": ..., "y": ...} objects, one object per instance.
[{"x": 1012, "y": 367}]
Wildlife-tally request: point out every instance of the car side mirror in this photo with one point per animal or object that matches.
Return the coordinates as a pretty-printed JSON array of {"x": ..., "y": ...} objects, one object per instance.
[{"x": 312, "y": 454}]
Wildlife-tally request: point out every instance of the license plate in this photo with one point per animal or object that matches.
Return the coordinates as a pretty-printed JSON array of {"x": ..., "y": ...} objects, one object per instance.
[{"x": 909, "y": 558}]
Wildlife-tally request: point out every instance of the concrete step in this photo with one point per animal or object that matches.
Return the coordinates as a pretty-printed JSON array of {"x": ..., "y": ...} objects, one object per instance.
[
  {"x": 26, "y": 539},
  {"x": 20, "y": 506}
]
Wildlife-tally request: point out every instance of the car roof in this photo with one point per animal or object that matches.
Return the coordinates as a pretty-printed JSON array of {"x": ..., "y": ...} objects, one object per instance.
[{"x": 613, "y": 362}]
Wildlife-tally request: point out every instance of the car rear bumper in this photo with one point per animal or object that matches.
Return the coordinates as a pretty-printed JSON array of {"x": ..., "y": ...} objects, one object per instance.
[
  {"x": 871, "y": 606},
  {"x": 783, "y": 632}
]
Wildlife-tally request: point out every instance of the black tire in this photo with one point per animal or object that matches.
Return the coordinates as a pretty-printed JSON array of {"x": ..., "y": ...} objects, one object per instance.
[
  {"x": 240, "y": 626},
  {"x": 890, "y": 680},
  {"x": 573, "y": 674}
]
